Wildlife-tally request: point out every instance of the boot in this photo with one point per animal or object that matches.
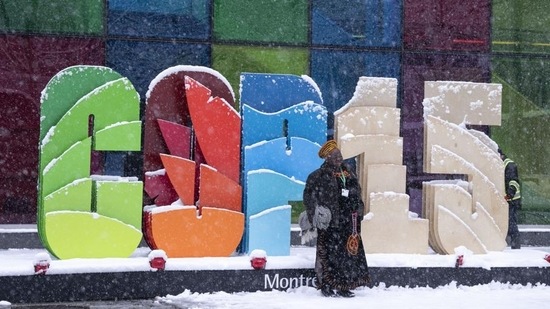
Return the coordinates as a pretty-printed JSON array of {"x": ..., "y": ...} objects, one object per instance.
[
  {"x": 516, "y": 244},
  {"x": 345, "y": 293},
  {"x": 327, "y": 291}
]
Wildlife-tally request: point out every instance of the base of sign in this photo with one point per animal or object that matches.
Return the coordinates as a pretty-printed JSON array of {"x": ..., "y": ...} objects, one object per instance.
[{"x": 147, "y": 285}]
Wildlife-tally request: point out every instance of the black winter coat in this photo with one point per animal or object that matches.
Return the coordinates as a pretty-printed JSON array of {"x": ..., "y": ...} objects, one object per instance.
[{"x": 322, "y": 189}]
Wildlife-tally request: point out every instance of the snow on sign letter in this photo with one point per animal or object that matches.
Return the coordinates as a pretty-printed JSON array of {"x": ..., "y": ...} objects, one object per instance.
[{"x": 86, "y": 109}]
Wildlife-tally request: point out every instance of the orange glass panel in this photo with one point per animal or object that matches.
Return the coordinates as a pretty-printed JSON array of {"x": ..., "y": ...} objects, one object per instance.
[
  {"x": 182, "y": 176},
  {"x": 219, "y": 191},
  {"x": 180, "y": 233}
]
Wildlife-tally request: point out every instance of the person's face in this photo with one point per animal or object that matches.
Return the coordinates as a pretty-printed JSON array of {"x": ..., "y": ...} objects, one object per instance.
[{"x": 335, "y": 157}]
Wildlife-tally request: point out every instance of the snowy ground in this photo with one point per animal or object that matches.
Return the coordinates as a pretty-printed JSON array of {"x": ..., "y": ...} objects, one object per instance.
[
  {"x": 500, "y": 295},
  {"x": 494, "y": 295}
]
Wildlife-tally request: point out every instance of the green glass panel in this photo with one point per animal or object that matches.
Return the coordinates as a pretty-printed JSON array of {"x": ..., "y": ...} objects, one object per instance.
[
  {"x": 62, "y": 95},
  {"x": 261, "y": 20},
  {"x": 75, "y": 196},
  {"x": 119, "y": 137},
  {"x": 521, "y": 26},
  {"x": 90, "y": 235},
  {"x": 73, "y": 126},
  {"x": 231, "y": 61},
  {"x": 70, "y": 166},
  {"x": 523, "y": 134},
  {"x": 118, "y": 199},
  {"x": 64, "y": 16}
]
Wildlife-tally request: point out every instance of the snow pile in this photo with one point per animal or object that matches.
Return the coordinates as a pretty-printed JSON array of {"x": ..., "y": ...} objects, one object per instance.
[{"x": 452, "y": 296}]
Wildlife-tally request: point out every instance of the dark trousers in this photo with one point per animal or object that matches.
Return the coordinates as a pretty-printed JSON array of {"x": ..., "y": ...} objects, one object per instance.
[{"x": 513, "y": 231}]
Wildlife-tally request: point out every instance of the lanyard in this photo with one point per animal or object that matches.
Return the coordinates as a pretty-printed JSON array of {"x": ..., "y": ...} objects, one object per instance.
[{"x": 343, "y": 177}]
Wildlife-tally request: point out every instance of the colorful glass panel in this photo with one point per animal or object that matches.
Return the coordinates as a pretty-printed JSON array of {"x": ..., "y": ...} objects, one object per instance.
[
  {"x": 283, "y": 21},
  {"x": 52, "y": 16}
]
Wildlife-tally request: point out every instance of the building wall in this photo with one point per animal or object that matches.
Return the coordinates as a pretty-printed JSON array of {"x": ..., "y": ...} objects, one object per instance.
[{"x": 334, "y": 42}]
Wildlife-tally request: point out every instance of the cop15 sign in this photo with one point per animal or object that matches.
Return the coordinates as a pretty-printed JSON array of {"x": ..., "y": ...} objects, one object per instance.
[{"x": 217, "y": 180}]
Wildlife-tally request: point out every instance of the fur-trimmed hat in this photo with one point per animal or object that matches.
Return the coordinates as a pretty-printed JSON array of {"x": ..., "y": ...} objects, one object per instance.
[{"x": 327, "y": 148}]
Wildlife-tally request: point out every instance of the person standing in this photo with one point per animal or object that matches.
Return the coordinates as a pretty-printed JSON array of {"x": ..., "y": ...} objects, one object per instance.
[
  {"x": 513, "y": 197},
  {"x": 333, "y": 189}
]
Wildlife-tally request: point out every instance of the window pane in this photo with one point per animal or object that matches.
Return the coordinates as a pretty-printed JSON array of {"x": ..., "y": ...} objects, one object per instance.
[
  {"x": 84, "y": 17},
  {"x": 521, "y": 26},
  {"x": 26, "y": 65},
  {"x": 143, "y": 61},
  {"x": 337, "y": 72},
  {"x": 524, "y": 131},
  {"x": 160, "y": 18},
  {"x": 232, "y": 60},
  {"x": 283, "y": 21},
  {"x": 357, "y": 23},
  {"x": 447, "y": 24}
]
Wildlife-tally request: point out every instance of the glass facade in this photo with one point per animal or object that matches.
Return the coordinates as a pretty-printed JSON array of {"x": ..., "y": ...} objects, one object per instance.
[
  {"x": 447, "y": 25},
  {"x": 159, "y": 19},
  {"x": 521, "y": 26},
  {"x": 53, "y": 16},
  {"x": 361, "y": 23},
  {"x": 282, "y": 21},
  {"x": 231, "y": 60},
  {"x": 521, "y": 63},
  {"x": 334, "y": 42}
]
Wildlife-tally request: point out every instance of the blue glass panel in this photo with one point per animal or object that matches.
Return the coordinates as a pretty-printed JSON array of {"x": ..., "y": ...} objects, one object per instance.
[
  {"x": 142, "y": 61},
  {"x": 268, "y": 189},
  {"x": 373, "y": 23},
  {"x": 268, "y": 212},
  {"x": 281, "y": 136},
  {"x": 268, "y": 216},
  {"x": 337, "y": 73},
  {"x": 305, "y": 120},
  {"x": 114, "y": 163},
  {"x": 272, "y": 155},
  {"x": 160, "y": 18},
  {"x": 283, "y": 125},
  {"x": 273, "y": 92},
  {"x": 270, "y": 231}
]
